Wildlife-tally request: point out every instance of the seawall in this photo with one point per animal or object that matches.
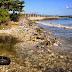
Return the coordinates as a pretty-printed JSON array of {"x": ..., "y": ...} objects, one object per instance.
[{"x": 42, "y": 18}]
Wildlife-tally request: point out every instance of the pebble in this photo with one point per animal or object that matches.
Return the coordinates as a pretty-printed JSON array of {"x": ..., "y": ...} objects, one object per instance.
[
  {"x": 49, "y": 50},
  {"x": 53, "y": 55},
  {"x": 32, "y": 51},
  {"x": 55, "y": 44},
  {"x": 33, "y": 60},
  {"x": 61, "y": 56}
]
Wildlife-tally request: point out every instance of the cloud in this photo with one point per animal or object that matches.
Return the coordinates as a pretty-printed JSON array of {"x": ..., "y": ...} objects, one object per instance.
[{"x": 69, "y": 7}]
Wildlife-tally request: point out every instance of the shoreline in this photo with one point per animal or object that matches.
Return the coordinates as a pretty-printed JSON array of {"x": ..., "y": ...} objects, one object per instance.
[
  {"x": 33, "y": 54},
  {"x": 14, "y": 32},
  {"x": 65, "y": 40},
  {"x": 54, "y": 25}
]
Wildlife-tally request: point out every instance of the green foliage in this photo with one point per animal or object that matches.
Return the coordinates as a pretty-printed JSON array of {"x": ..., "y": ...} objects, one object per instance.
[
  {"x": 4, "y": 15},
  {"x": 13, "y": 5},
  {"x": 1, "y": 27},
  {"x": 10, "y": 5}
]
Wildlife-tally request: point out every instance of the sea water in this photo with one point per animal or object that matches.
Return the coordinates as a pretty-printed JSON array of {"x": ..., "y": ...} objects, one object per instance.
[
  {"x": 63, "y": 21},
  {"x": 61, "y": 28}
]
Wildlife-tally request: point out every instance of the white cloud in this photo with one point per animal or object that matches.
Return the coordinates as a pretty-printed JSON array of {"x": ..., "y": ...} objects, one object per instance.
[{"x": 69, "y": 7}]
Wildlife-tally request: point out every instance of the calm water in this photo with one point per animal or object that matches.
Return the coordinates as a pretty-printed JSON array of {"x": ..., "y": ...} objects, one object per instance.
[
  {"x": 59, "y": 27},
  {"x": 62, "y": 29},
  {"x": 63, "y": 21}
]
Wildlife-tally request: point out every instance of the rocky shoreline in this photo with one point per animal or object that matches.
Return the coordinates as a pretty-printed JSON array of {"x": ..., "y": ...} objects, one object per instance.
[{"x": 35, "y": 53}]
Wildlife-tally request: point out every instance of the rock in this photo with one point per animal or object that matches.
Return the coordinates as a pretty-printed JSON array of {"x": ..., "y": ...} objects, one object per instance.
[
  {"x": 35, "y": 34},
  {"x": 49, "y": 50},
  {"x": 42, "y": 46},
  {"x": 37, "y": 46},
  {"x": 32, "y": 51},
  {"x": 55, "y": 44},
  {"x": 48, "y": 43},
  {"x": 52, "y": 55},
  {"x": 62, "y": 70},
  {"x": 61, "y": 56},
  {"x": 50, "y": 33},
  {"x": 40, "y": 51}
]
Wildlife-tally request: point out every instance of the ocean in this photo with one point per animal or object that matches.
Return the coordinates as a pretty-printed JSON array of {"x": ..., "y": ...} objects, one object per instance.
[
  {"x": 63, "y": 21},
  {"x": 62, "y": 30}
]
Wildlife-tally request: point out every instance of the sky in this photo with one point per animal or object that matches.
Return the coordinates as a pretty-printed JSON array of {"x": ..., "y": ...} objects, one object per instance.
[{"x": 48, "y": 7}]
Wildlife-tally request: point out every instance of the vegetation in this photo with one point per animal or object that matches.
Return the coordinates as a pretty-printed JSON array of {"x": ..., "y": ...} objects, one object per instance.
[
  {"x": 10, "y": 5},
  {"x": 1, "y": 27},
  {"x": 4, "y": 15},
  {"x": 14, "y": 17}
]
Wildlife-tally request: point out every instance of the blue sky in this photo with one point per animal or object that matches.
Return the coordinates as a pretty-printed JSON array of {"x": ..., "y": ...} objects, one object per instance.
[{"x": 48, "y": 7}]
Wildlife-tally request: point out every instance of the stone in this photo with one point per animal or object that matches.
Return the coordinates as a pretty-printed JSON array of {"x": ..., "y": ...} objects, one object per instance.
[
  {"x": 32, "y": 51},
  {"x": 49, "y": 33},
  {"x": 49, "y": 50},
  {"x": 55, "y": 44},
  {"x": 53, "y": 55},
  {"x": 62, "y": 70},
  {"x": 61, "y": 56}
]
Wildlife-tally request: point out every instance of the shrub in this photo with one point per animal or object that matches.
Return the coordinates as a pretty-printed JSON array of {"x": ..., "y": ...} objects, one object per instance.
[{"x": 14, "y": 17}]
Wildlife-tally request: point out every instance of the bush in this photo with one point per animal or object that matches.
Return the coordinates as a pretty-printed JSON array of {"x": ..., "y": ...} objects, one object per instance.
[{"x": 14, "y": 17}]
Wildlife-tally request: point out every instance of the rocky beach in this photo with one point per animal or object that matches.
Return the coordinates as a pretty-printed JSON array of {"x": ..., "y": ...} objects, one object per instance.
[{"x": 34, "y": 50}]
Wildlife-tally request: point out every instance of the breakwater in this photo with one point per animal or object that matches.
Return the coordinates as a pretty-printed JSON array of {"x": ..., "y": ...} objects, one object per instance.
[{"x": 42, "y": 18}]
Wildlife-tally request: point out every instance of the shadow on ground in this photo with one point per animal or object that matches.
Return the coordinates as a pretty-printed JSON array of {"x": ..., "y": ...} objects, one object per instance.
[{"x": 7, "y": 44}]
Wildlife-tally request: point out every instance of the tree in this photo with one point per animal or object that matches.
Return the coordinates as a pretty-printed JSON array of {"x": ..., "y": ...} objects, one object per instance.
[
  {"x": 13, "y": 5},
  {"x": 10, "y": 5},
  {"x": 4, "y": 15}
]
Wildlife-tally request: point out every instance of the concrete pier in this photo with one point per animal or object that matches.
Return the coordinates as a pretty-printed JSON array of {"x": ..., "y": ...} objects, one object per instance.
[{"x": 40, "y": 17}]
